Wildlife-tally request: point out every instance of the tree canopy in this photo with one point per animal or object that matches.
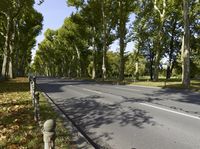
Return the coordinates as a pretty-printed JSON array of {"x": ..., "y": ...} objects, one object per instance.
[
  {"x": 165, "y": 36},
  {"x": 20, "y": 25}
]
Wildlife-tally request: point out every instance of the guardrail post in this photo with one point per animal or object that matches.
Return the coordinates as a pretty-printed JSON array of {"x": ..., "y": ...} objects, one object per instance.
[
  {"x": 32, "y": 88},
  {"x": 36, "y": 107},
  {"x": 30, "y": 79},
  {"x": 49, "y": 134}
]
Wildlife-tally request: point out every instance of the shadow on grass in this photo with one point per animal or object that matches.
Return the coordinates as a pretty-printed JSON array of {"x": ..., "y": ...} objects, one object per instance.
[
  {"x": 21, "y": 130},
  {"x": 8, "y": 86},
  {"x": 19, "y": 126}
]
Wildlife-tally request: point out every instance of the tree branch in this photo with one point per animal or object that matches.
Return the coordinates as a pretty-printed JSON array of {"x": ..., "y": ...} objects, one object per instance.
[
  {"x": 164, "y": 7},
  {"x": 156, "y": 7},
  {"x": 2, "y": 34},
  {"x": 3, "y": 13}
]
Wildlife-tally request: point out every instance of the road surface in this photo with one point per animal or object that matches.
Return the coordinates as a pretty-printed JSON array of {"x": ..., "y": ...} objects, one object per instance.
[{"x": 129, "y": 117}]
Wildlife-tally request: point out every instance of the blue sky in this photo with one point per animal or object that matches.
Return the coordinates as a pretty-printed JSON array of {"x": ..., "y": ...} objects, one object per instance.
[{"x": 54, "y": 13}]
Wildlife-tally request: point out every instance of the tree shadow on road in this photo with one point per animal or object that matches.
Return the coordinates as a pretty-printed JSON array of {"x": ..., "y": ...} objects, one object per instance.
[
  {"x": 176, "y": 99},
  {"x": 185, "y": 96},
  {"x": 89, "y": 113}
]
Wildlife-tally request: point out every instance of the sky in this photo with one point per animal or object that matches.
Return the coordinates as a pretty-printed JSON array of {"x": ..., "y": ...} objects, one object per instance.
[{"x": 54, "y": 12}]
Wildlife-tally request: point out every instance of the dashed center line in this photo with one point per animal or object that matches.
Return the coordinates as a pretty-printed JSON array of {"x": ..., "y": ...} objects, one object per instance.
[{"x": 168, "y": 110}]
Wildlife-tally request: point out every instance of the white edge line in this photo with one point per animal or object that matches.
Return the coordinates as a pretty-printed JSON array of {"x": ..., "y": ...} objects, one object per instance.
[
  {"x": 85, "y": 89},
  {"x": 183, "y": 114}
]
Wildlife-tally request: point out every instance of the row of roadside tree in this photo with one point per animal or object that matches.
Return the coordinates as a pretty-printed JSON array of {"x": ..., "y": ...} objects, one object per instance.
[{"x": 162, "y": 30}]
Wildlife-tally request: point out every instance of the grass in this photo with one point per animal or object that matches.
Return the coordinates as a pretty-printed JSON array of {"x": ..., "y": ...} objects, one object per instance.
[
  {"x": 18, "y": 130},
  {"x": 144, "y": 81},
  {"x": 172, "y": 83}
]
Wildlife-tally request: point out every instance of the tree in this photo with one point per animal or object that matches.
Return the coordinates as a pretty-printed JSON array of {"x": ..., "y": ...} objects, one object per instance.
[
  {"x": 161, "y": 13},
  {"x": 81, "y": 46},
  {"x": 144, "y": 33},
  {"x": 172, "y": 34},
  {"x": 125, "y": 8},
  {"x": 16, "y": 14},
  {"x": 186, "y": 46}
]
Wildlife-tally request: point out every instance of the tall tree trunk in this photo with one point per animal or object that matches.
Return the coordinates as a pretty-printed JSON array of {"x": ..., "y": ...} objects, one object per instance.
[
  {"x": 93, "y": 56},
  {"x": 5, "y": 64},
  {"x": 157, "y": 63},
  {"x": 137, "y": 70},
  {"x": 137, "y": 65},
  {"x": 94, "y": 65},
  {"x": 122, "y": 30},
  {"x": 10, "y": 71},
  {"x": 104, "y": 41},
  {"x": 151, "y": 69},
  {"x": 79, "y": 62},
  {"x": 151, "y": 64},
  {"x": 6, "y": 52},
  {"x": 186, "y": 47}
]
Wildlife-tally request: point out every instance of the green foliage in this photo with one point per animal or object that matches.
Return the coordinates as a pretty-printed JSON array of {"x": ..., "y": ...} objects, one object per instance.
[
  {"x": 130, "y": 69},
  {"x": 64, "y": 52},
  {"x": 80, "y": 48},
  {"x": 113, "y": 64},
  {"x": 20, "y": 24}
]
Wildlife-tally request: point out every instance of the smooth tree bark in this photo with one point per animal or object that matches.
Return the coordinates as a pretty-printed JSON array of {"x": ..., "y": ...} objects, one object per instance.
[
  {"x": 12, "y": 39},
  {"x": 151, "y": 58},
  {"x": 136, "y": 73},
  {"x": 79, "y": 72},
  {"x": 93, "y": 56},
  {"x": 6, "y": 53},
  {"x": 186, "y": 47}
]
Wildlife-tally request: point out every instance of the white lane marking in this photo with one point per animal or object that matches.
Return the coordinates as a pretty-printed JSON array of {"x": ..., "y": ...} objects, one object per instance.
[
  {"x": 128, "y": 89},
  {"x": 85, "y": 89},
  {"x": 183, "y": 114}
]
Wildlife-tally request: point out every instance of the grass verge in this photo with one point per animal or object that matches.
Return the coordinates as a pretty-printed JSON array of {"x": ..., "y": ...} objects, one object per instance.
[
  {"x": 18, "y": 130},
  {"x": 173, "y": 83}
]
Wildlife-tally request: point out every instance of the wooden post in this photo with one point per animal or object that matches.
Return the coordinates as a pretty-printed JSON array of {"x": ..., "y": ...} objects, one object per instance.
[
  {"x": 36, "y": 108},
  {"x": 49, "y": 134}
]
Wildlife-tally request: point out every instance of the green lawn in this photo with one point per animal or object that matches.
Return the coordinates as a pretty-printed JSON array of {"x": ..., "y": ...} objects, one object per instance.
[
  {"x": 144, "y": 81},
  {"x": 18, "y": 130},
  {"x": 173, "y": 83}
]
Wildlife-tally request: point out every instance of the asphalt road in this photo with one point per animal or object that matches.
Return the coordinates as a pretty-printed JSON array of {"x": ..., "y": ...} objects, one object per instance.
[{"x": 129, "y": 117}]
